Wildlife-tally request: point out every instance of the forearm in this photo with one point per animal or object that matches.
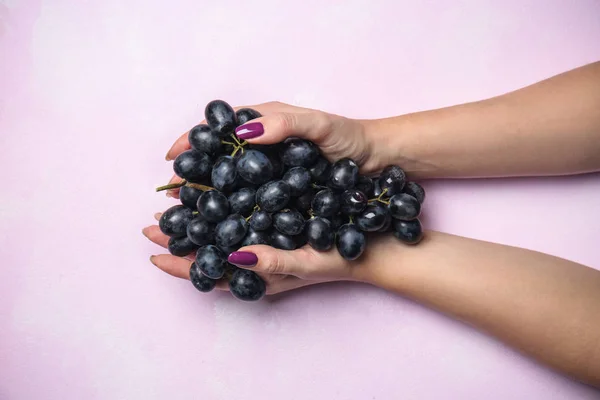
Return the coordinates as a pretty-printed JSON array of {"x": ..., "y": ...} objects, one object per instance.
[
  {"x": 549, "y": 128},
  {"x": 544, "y": 306}
]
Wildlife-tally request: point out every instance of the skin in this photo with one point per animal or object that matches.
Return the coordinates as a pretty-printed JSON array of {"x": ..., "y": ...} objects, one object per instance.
[{"x": 543, "y": 306}]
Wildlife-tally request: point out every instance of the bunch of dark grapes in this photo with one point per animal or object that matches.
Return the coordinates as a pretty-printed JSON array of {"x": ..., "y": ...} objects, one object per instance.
[{"x": 286, "y": 195}]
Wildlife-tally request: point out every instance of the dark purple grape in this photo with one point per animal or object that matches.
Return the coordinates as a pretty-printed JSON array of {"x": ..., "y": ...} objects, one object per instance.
[
  {"x": 393, "y": 179},
  {"x": 254, "y": 167},
  {"x": 299, "y": 153},
  {"x": 350, "y": 242},
  {"x": 405, "y": 207},
  {"x": 410, "y": 232},
  {"x": 231, "y": 230},
  {"x": 200, "y": 231},
  {"x": 281, "y": 240},
  {"x": 189, "y": 196},
  {"x": 203, "y": 139},
  {"x": 273, "y": 196},
  {"x": 260, "y": 220},
  {"x": 325, "y": 203},
  {"x": 243, "y": 201},
  {"x": 175, "y": 220},
  {"x": 290, "y": 222},
  {"x": 221, "y": 118},
  {"x": 255, "y": 237},
  {"x": 344, "y": 174},
  {"x": 338, "y": 220},
  {"x": 192, "y": 166},
  {"x": 352, "y": 201},
  {"x": 303, "y": 202},
  {"x": 246, "y": 114},
  {"x": 224, "y": 175},
  {"x": 321, "y": 170},
  {"x": 201, "y": 282},
  {"x": 387, "y": 225},
  {"x": 299, "y": 180},
  {"x": 181, "y": 246},
  {"x": 319, "y": 233},
  {"x": 247, "y": 285},
  {"x": 415, "y": 190},
  {"x": 376, "y": 189},
  {"x": 278, "y": 167},
  {"x": 365, "y": 185},
  {"x": 211, "y": 261},
  {"x": 372, "y": 218},
  {"x": 213, "y": 206}
]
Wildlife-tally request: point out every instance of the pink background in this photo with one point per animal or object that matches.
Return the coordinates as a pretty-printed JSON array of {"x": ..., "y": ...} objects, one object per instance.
[{"x": 93, "y": 93}]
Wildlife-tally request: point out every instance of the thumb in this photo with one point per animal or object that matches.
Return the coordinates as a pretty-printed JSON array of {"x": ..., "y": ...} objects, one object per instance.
[
  {"x": 267, "y": 260},
  {"x": 276, "y": 127}
]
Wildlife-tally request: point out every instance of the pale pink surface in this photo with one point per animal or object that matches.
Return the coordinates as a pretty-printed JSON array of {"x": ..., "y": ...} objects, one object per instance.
[{"x": 92, "y": 94}]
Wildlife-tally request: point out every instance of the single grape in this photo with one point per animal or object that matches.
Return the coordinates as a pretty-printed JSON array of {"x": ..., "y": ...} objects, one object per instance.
[
  {"x": 303, "y": 202},
  {"x": 387, "y": 225},
  {"x": 365, "y": 185},
  {"x": 189, "y": 196},
  {"x": 273, "y": 196},
  {"x": 260, "y": 220},
  {"x": 350, "y": 242},
  {"x": 281, "y": 240},
  {"x": 376, "y": 189},
  {"x": 224, "y": 175},
  {"x": 290, "y": 222},
  {"x": 415, "y": 190},
  {"x": 200, "y": 231},
  {"x": 201, "y": 282},
  {"x": 181, "y": 246},
  {"x": 231, "y": 230},
  {"x": 338, "y": 220},
  {"x": 299, "y": 180},
  {"x": 319, "y": 233},
  {"x": 246, "y": 114},
  {"x": 299, "y": 153},
  {"x": 320, "y": 171},
  {"x": 203, "y": 139},
  {"x": 247, "y": 285},
  {"x": 405, "y": 207},
  {"x": 243, "y": 201},
  {"x": 211, "y": 261},
  {"x": 393, "y": 179},
  {"x": 254, "y": 237},
  {"x": 213, "y": 206},
  {"x": 353, "y": 201},
  {"x": 344, "y": 174},
  {"x": 221, "y": 118},
  {"x": 254, "y": 167},
  {"x": 372, "y": 218},
  {"x": 175, "y": 220},
  {"x": 192, "y": 166},
  {"x": 278, "y": 167},
  {"x": 325, "y": 203},
  {"x": 410, "y": 232}
]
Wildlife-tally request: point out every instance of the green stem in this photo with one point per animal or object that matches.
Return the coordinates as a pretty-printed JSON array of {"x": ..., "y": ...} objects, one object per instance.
[{"x": 171, "y": 186}]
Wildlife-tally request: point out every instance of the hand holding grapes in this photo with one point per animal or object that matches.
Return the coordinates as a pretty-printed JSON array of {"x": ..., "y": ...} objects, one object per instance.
[{"x": 278, "y": 195}]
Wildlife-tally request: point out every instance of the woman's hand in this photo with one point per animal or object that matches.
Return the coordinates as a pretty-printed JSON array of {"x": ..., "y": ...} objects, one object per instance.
[
  {"x": 336, "y": 136},
  {"x": 282, "y": 270}
]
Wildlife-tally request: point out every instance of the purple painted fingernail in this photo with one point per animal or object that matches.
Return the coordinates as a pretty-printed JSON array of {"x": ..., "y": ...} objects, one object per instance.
[
  {"x": 249, "y": 130},
  {"x": 243, "y": 258}
]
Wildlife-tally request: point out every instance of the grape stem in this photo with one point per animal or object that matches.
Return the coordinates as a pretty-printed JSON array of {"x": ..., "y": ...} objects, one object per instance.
[
  {"x": 184, "y": 183},
  {"x": 380, "y": 198}
]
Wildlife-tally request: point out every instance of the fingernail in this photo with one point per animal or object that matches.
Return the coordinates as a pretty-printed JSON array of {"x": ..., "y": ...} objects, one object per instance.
[
  {"x": 243, "y": 258},
  {"x": 152, "y": 260},
  {"x": 249, "y": 130},
  {"x": 168, "y": 157},
  {"x": 157, "y": 216},
  {"x": 145, "y": 231}
]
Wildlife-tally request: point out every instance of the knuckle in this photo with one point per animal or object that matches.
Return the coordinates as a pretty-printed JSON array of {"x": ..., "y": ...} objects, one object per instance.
[
  {"x": 273, "y": 264},
  {"x": 287, "y": 122}
]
